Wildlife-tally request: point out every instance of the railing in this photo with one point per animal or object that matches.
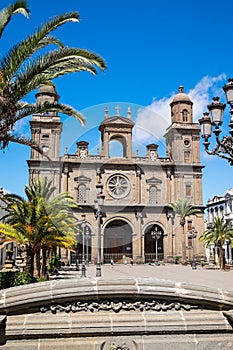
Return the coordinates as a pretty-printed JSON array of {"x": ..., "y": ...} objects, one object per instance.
[
  {"x": 77, "y": 258},
  {"x": 115, "y": 257},
  {"x": 150, "y": 257}
]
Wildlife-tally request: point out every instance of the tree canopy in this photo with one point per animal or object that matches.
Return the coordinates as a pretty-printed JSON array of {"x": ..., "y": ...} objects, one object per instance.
[
  {"x": 41, "y": 221},
  {"x": 26, "y": 67},
  {"x": 217, "y": 234},
  {"x": 183, "y": 209}
]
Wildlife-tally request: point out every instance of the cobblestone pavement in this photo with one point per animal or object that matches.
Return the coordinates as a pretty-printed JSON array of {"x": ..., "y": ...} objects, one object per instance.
[{"x": 172, "y": 272}]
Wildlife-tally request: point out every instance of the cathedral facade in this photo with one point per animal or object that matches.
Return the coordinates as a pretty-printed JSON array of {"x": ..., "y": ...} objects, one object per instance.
[{"x": 134, "y": 220}]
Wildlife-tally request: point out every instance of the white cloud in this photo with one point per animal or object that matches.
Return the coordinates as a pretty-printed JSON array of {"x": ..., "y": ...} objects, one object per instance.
[
  {"x": 203, "y": 92},
  {"x": 152, "y": 120}
]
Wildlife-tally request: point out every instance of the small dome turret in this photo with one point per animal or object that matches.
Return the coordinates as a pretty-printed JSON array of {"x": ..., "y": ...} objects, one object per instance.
[
  {"x": 181, "y": 108},
  {"x": 47, "y": 93},
  {"x": 181, "y": 97}
]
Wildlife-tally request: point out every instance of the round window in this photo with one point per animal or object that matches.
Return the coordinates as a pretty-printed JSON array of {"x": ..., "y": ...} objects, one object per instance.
[
  {"x": 187, "y": 143},
  {"x": 118, "y": 186}
]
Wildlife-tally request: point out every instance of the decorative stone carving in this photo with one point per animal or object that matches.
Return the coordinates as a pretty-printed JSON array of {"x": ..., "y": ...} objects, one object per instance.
[
  {"x": 117, "y": 344},
  {"x": 118, "y": 186},
  {"x": 117, "y": 306}
]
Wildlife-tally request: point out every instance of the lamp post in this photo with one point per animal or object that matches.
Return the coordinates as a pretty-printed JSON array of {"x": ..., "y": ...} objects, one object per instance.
[
  {"x": 156, "y": 235},
  {"x": 87, "y": 238},
  {"x": 83, "y": 227},
  {"x": 193, "y": 235},
  {"x": 224, "y": 146},
  {"x": 99, "y": 204}
]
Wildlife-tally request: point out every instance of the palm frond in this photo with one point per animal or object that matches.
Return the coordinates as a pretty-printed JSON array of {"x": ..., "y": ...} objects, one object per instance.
[
  {"x": 19, "y": 7},
  {"x": 22, "y": 140},
  {"x": 30, "y": 109},
  {"x": 26, "y": 48},
  {"x": 52, "y": 65}
]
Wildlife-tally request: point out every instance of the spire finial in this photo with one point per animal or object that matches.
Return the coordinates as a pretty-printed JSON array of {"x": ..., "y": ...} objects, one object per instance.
[
  {"x": 129, "y": 113},
  {"x": 106, "y": 112},
  {"x": 181, "y": 89},
  {"x": 117, "y": 108}
]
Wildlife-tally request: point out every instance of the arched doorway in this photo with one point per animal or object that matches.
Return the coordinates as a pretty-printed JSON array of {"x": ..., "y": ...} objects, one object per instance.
[
  {"x": 76, "y": 257},
  {"x": 117, "y": 241},
  {"x": 153, "y": 243}
]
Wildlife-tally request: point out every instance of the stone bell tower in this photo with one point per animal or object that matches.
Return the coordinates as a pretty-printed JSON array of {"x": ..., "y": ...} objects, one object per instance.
[
  {"x": 46, "y": 131},
  {"x": 183, "y": 135},
  {"x": 183, "y": 148},
  {"x": 119, "y": 129}
]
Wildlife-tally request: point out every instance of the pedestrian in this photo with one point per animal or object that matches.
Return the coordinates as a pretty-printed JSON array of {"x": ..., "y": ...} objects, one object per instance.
[
  {"x": 112, "y": 262},
  {"x": 131, "y": 262}
]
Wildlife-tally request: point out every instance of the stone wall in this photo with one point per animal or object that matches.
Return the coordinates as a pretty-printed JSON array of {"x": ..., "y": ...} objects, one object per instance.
[{"x": 132, "y": 314}]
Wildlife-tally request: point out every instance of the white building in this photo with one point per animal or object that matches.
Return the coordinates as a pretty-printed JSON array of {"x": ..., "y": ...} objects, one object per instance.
[{"x": 222, "y": 206}]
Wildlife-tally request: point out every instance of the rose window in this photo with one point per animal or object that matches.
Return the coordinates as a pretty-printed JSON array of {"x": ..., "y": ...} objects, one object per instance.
[{"x": 118, "y": 186}]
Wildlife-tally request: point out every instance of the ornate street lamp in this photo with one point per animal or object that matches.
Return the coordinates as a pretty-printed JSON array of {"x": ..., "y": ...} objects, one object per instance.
[
  {"x": 87, "y": 252},
  {"x": 224, "y": 146},
  {"x": 99, "y": 204},
  {"x": 83, "y": 227},
  {"x": 193, "y": 234},
  {"x": 156, "y": 235}
]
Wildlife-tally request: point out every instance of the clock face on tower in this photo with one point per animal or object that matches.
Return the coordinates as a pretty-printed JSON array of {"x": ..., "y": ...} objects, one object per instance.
[
  {"x": 118, "y": 186},
  {"x": 45, "y": 149}
]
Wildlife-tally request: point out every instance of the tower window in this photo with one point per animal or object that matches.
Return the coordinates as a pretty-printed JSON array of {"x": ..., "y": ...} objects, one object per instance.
[
  {"x": 187, "y": 156},
  {"x": 188, "y": 190},
  {"x": 190, "y": 241},
  {"x": 190, "y": 225},
  {"x": 185, "y": 115},
  {"x": 82, "y": 194},
  {"x": 153, "y": 195},
  {"x": 45, "y": 136}
]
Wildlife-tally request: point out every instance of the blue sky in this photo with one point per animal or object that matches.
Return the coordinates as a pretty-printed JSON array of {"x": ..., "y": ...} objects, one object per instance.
[{"x": 151, "y": 47}]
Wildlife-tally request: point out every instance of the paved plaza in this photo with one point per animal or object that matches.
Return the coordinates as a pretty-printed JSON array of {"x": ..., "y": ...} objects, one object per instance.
[{"x": 172, "y": 272}]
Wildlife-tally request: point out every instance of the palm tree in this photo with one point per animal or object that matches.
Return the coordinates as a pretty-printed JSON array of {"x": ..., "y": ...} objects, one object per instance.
[
  {"x": 39, "y": 222},
  {"x": 184, "y": 209},
  {"x": 217, "y": 234},
  {"x": 24, "y": 68}
]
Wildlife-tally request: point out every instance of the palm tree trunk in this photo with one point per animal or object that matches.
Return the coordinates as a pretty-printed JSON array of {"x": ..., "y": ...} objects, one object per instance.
[
  {"x": 221, "y": 258},
  {"x": 183, "y": 244},
  {"x": 37, "y": 269},
  {"x": 45, "y": 256},
  {"x": 29, "y": 268}
]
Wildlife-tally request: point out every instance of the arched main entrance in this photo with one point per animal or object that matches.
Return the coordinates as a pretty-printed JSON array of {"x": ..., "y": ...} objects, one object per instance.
[
  {"x": 153, "y": 243},
  {"x": 117, "y": 241}
]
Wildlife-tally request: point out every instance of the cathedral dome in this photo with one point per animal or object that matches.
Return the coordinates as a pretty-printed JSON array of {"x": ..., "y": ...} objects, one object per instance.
[
  {"x": 47, "y": 93},
  {"x": 48, "y": 89},
  {"x": 181, "y": 96}
]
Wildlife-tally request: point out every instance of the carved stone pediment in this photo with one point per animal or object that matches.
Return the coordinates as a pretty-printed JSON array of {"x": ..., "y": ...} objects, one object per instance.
[
  {"x": 117, "y": 120},
  {"x": 153, "y": 181},
  {"x": 82, "y": 179}
]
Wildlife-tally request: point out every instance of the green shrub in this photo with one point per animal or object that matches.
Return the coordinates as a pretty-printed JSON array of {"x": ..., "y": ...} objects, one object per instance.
[
  {"x": 41, "y": 279},
  {"x": 54, "y": 261},
  {"x": 7, "y": 279},
  {"x": 23, "y": 278},
  {"x": 10, "y": 279}
]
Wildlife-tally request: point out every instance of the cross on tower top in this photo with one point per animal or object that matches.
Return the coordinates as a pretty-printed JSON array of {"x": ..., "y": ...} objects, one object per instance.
[
  {"x": 181, "y": 89},
  {"x": 129, "y": 113},
  {"x": 106, "y": 112},
  {"x": 117, "y": 108}
]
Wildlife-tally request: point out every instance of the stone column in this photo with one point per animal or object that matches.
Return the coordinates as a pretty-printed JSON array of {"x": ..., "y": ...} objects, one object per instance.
[{"x": 102, "y": 247}]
